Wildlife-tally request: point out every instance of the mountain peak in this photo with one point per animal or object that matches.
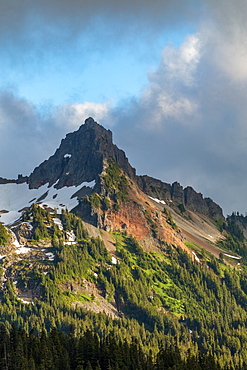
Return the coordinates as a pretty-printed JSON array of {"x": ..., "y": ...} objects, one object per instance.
[{"x": 80, "y": 158}]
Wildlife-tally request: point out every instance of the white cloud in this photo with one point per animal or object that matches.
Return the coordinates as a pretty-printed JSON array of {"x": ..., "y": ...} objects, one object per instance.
[
  {"x": 169, "y": 97},
  {"x": 72, "y": 116},
  {"x": 178, "y": 64}
]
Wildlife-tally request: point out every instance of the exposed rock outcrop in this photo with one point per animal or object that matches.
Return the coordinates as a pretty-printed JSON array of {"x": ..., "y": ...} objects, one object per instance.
[
  {"x": 177, "y": 195},
  {"x": 80, "y": 158},
  {"x": 20, "y": 180}
]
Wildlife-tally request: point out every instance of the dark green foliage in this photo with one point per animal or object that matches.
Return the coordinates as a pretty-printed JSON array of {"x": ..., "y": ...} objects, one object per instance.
[
  {"x": 198, "y": 311},
  {"x": 94, "y": 200},
  {"x": 115, "y": 190},
  {"x": 20, "y": 350},
  {"x": 40, "y": 219},
  {"x": 232, "y": 244},
  {"x": 233, "y": 230},
  {"x": 72, "y": 222},
  {"x": 115, "y": 182},
  {"x": 181, "y": 207},
  {"x": 106, "y": 203},
  {"x": 4, "y": 235}
]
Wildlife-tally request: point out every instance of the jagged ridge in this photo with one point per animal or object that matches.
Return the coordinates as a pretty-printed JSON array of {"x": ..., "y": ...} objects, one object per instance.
[{"x": 80, "y": 158}]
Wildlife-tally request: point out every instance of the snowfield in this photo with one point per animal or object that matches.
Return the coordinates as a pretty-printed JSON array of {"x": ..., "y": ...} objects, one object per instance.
[{"x": 15, "y": 197}]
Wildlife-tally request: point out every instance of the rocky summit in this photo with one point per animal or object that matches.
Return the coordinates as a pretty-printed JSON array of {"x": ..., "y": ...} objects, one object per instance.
[{"x": 80, "y": 158}]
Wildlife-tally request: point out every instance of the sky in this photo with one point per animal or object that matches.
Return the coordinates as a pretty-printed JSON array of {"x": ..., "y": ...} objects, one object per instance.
[{"x": 168, "y": 77}]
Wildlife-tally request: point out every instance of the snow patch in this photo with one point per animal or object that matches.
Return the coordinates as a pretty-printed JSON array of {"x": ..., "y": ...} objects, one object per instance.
[
  {"x": 1, "y": 257},
  {"x": 70, "y": 243},
  {"x": 22, "y": 250},
  {"x": 15, "y": 197},
  {"x": 67, "y": 155},
  {"x": 50, "y": 256},
  {"x": 23, "y": 301},
  {"x": 158, "y": 200},
  {"x": 113, "y": 260},
  {"x": 228, "y": 255},
  {"x": 70, "y": 235},
  {"x": 19, "y": 248},
  {"x": 196, "y": 258},
  {"x": 58, "y": 222},
  {"x": 90, "y": 184}
]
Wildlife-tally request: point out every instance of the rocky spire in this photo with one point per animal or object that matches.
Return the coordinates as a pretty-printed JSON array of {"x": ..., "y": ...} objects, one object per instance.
[{"x": 80, "y": 158}]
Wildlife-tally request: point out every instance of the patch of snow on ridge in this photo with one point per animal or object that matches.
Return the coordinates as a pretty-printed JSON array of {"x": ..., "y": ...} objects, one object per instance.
[
  {"x": 22, "y": 250},
  {"x": 90, "y": 184},
  {"x": 229, "y": 255},
  {"x": 67, "y": 155},
  {"x": 58, "y": 222},
  {"x": 15, "y": 197},
  {"x": 196, "y": 258},
  {"x": 24, "y": 301},
  {"x": 158, "y": 200},
  {"x": 70, "y": 236},
  {"x": 50, "y": 256}
]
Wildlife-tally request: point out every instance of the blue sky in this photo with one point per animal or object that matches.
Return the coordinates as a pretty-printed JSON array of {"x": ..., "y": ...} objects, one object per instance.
[
  {"x": 95, "y": 66},
  {"x": 169, "y": 78}
]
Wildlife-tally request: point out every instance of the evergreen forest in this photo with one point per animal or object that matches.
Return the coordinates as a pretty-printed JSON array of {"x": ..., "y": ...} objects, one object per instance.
[{"x": 172, "y": 312}]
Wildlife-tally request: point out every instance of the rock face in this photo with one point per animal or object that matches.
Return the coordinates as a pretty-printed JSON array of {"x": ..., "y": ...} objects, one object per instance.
[
  {"x": 20, "y": 180},
  {"x": 80, "y": 158},
  {"x": 154, "y": 187},
  {"x": 177, "y": 195}
]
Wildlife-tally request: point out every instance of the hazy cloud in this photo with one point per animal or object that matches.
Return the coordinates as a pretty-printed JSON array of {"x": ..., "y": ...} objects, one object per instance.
[
  {"x": 28, "y": 137},
  {"x": 35, "y": 26}
]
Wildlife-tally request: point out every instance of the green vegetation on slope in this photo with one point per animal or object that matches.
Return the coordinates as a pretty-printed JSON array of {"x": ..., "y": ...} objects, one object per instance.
[
  {"x": 162, "y": 298},
  {"x": 4, "y": 235}
]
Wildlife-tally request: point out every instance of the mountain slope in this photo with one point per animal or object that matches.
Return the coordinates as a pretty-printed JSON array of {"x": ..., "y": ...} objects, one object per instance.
[{"x": 131, "y": 259}]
